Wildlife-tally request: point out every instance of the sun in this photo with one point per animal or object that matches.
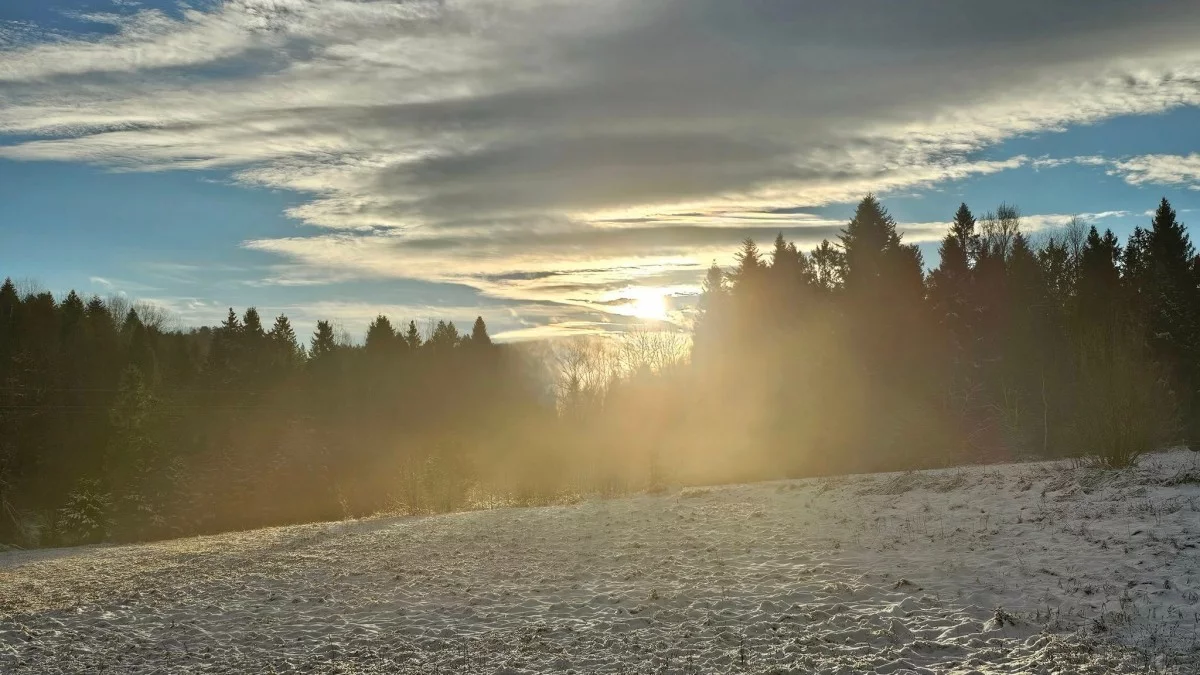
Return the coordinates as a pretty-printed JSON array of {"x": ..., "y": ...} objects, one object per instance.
[{"x": 648, "y": 303}]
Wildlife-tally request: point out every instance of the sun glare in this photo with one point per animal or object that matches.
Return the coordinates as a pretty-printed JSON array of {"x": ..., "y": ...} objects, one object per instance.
[{"x": 648, "y": 303}]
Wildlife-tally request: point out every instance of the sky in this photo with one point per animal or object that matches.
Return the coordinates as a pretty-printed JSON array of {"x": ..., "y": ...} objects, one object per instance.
[{"x": 556, "y": 166}]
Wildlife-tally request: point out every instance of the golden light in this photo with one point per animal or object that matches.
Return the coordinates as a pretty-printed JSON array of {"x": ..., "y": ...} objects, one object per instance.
[{"x": 647, "y": 303}]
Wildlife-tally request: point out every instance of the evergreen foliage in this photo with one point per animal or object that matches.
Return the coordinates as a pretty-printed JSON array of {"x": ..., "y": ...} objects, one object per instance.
[{"x": 847, "y": 357}]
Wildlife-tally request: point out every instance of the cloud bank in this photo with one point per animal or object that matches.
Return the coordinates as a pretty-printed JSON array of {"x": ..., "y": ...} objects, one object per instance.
[{"x": 488, "y": 142}]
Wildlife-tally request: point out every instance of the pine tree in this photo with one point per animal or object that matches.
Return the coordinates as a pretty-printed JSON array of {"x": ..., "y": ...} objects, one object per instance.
[
  {"x": 962, "y": 228},
  {"x": 1135, "y": 263},
  {"x": 445, "y": 336},
  {"x": 479, "y": 333},
  {"x": 829, "y": 266},
  {"x": 139, "y": 345},
  {"x": 951, "y": 284},
  {"x": 747, "y": 274},
  {"x": 324, "y": 343},
  {"x": 877, "y": 264},
  {"x": 8, "y": 299},
  {"x": 72, "y": 313},
  {"x": 231, "y": 325},
  {"x": 381, "y": 337},
  {"x": 1171, "y": 285},
  {"x": 1173, "y": 307},
  {"x": 1024, "y": 272},
  {"x": 252, "y": 326},
  {"x": 412, "y": 337},
  {"x": 712, "y": 291},
  {"x": 9, "y": 302},
  {"x": 1099, "y": 279},
  {"x": 782, "y": 258},
  {"x": 284, "y": 343},
  {"x": 131, "y": 323},
  {"x": 1057, "y": 271}
]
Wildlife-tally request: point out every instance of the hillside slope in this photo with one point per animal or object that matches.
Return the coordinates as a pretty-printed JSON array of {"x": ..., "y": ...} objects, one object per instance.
[{"x": 1017, "y": 568}]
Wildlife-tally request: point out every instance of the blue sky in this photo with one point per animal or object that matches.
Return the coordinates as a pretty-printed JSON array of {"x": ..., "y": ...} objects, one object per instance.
[{"x": 555, "y": 166}]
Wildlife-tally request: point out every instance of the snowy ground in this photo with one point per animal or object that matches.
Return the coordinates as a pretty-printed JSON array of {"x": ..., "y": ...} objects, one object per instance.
[{"x": 1022, "y": 568}]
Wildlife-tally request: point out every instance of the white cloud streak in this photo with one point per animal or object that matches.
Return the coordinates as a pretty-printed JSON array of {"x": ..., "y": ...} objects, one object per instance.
[
  {"x": 489, "y": 142},
  {"x": 1160, "y": 170}
]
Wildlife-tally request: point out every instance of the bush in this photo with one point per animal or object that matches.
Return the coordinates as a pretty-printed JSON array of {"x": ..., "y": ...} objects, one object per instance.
[{"x": 84, "y": 517}]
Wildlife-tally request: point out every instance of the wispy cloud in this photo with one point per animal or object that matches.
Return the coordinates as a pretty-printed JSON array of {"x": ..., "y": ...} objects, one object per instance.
[
  {"x": 1173, "y": 170},
  {"x": 463, "y": 140},
  {"x": 1160, "y": 170}
]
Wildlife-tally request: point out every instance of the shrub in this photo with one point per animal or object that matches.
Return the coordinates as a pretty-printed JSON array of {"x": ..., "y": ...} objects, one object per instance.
[{"x": 83, "y": 519}]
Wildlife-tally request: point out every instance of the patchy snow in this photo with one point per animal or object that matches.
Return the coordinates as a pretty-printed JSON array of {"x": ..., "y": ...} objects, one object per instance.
[{"x": 1035, "y": 568}]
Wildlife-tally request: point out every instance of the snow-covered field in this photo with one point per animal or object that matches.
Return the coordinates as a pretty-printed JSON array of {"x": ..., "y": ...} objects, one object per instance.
[{"x": 1021, "y": 568}]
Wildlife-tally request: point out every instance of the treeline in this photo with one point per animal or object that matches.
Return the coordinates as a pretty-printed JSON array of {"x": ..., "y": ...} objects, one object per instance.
[
  {"x": 852, "y": 358},
  {"x": 848, "y": 357},
  {"x": 112, "y": 427}
]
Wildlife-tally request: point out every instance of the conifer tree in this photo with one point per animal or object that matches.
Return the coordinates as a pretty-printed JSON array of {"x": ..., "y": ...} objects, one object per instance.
[
  {"x": 284, "y": 343},
  {"x": 252, "y": 326},
  {"x": 747, "y": 273},
  {"x": 1172, "y": 308},
  {"x": 323, "y": 342},
  {"x": 829, "y": 266},
  {"x": 479, "y": 334},
  {"x": 445, "y": 336},
  {"x": 713, "y": 290},
  {"x": 951, "y": 284},
  {"x": 1099, "y": 279},
  {"x": 381, "y": 337},
  {"x": 232, "y": 324},
  {"x": 1171, "y": 286},
  {"x": 1135, "y": 262},
  {"x": 9, "y": 301},
  {"x": 412, "y": 336}
]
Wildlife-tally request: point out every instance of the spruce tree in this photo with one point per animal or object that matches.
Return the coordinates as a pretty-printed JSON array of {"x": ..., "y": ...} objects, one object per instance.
[
  {"x": 829, "y": 266},
  {"x": 1171, "y": 286},
  {"x": 747, "y": 273},
  {"x": 283, "y": 341},
  {"x": 323, "y": 342},
  {"x": 231, "y": 326},
  {"x": 381, "y": 337},
  {"x": 479, "y": 334},
  {"x": 877, "y": 264},
  {"x": 412, "y": 336},
  {"x": 252, "y": 326},
  {"x": 950, "y": 285},
  {"x": 445, "y": 336},
  {"x": 1135, "y": 269},
  {"x": 9, "y": 302},
  {"x": 1173, "y": 311},
  {"x": 712, "y": 291},
  {"x": 962, "y": 228}
]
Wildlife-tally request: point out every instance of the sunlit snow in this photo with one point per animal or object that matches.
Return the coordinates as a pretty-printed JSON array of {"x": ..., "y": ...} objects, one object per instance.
[{"x": 1017, "y": 568}]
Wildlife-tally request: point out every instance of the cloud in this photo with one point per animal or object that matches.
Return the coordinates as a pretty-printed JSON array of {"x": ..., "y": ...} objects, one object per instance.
[
  {"x": 1055, "y": 162},
  {"x": 1171, "y": 170},
  {"x": 1160, "y": 170},
  {"x": 592, "y": 143}
]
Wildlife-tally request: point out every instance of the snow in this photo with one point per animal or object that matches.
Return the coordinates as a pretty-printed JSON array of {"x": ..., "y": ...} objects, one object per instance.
[{"x": 1039, "y": 568}]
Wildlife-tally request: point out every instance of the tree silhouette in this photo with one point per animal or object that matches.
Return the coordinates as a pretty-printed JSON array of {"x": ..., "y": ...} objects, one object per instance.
[
  {"x": 842, "y": 357},
  {"x": 479, "y": 334}
]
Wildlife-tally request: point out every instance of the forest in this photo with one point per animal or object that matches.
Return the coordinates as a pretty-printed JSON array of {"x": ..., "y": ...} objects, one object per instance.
[{"x": 849, "y": 357}]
